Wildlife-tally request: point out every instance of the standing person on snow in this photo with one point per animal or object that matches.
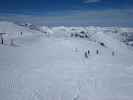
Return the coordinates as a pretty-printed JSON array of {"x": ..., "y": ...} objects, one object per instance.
[
  {"x": 86, "y": 55},
  {"x": 113, "y": 53},
  {"x": 88, "y": 52},
  {"x": 97, "y": 52},
  {"x": 21, "y": 33},
  {"x": 2, "y": 40}
]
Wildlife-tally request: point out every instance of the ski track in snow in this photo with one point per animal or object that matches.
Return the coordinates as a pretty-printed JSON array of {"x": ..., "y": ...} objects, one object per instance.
[{"x": 54, "y": 68}]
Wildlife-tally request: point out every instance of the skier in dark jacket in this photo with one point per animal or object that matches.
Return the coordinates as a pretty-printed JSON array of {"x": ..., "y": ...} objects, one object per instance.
[
  {"x": 86, "y": 55},
  {"x": 113, "y": 53},
  {"x": 88, "y": 52},
  {"x": 21, "y": 33},
  {"x": 97, "y": 52}
]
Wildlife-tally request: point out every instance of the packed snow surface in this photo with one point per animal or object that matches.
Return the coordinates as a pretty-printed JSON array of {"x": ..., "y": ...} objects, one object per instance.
[{"x": 49, "y": 63}]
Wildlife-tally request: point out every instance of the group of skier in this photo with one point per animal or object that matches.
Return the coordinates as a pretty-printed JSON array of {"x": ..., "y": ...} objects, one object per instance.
[{"x": 87, "y": 53}]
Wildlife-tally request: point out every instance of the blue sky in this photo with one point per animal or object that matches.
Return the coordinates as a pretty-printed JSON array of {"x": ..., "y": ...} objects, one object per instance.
[{"x": 69, "y": 12}]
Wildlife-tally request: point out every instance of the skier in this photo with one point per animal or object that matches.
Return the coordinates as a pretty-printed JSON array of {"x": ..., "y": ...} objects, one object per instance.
[
  {"x": 21, "y": 33},
  {"x": 2, "y": 40},
  {"x": 97, "y": 52},
  {"x": 113, "y": 53},
  {"x": 88, "y": 52},
  {"x": 86, "y": 55}
]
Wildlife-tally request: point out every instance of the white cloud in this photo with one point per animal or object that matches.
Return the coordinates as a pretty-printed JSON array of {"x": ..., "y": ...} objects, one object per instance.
[{"x": 91, "y": 1}]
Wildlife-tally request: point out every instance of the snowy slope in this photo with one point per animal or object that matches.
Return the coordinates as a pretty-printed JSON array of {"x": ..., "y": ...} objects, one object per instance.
[
  {"x": 119, "y": 33},
  {"x": 54, "y": 67},
  {"x": 13, "y": 32}
]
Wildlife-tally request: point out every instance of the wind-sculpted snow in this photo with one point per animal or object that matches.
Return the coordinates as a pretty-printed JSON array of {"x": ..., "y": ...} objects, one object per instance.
[{"x": 48, "y": 63}]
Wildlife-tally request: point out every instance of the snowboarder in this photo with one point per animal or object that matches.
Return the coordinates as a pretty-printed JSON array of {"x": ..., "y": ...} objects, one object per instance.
[{"x": 86, "y": 55}]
